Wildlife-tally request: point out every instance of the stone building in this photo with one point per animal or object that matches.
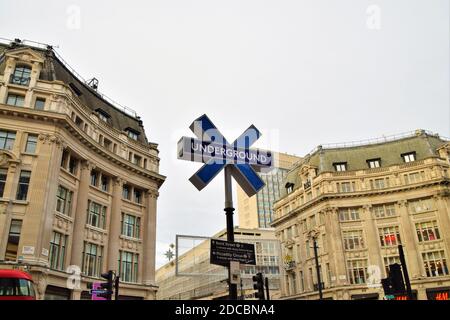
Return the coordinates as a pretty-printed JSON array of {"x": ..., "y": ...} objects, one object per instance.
[
  {"x": 359, "y": 203},
  {"x": 78, "y": 180}
]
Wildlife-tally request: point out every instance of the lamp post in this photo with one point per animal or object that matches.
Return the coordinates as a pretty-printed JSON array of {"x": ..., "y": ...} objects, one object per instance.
[{"x": 313, "y": 235}]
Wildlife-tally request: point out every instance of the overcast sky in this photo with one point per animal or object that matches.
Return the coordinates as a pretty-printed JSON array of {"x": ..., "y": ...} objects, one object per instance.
[{"x": 303, "y": 72}]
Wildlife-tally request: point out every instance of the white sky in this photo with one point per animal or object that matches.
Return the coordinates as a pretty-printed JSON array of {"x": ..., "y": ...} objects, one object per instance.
[{"x": 304, "y": 72}]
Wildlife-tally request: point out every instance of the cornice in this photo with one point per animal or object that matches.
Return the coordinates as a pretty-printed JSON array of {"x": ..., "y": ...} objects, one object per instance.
[{"x": 64, "y": 121}]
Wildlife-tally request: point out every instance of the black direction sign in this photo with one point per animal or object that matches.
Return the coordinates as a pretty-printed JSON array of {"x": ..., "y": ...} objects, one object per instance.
[{"x": 222, "y": 252}]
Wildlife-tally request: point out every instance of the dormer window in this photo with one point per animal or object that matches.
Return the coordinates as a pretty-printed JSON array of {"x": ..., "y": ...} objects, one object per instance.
[
  {"x": 133, "y": 134},
  {"x": 340, "y": 166},
  {"x": 409, "y": 157},
  {"x": 21, "y": 76},
  {"x": 103, "y": 115},
  {"x": 289, "y": 187},
  {"x": 374, "y": 163}
]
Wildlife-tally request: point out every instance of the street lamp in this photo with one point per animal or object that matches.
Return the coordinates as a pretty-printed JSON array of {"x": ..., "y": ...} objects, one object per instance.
[{"x": 313, "y": 235}]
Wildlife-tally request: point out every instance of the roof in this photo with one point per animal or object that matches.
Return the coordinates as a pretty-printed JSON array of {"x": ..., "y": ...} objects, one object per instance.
[
  {"x": 55, "y": 69},
  {"x": 424, "y": 145},
  {"x": 16, "y": 274}
]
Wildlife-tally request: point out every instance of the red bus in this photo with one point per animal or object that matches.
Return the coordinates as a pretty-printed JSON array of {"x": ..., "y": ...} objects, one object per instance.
[{"x": 16, "y": 285}]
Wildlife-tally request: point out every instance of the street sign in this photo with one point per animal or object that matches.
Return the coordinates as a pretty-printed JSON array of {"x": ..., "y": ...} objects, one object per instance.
[
  {"x": 216, "y": 152},
  {"x": 96, "y": 289},
  {"x": 223, "y": 252},
  {"x": 192, "y": 149}
]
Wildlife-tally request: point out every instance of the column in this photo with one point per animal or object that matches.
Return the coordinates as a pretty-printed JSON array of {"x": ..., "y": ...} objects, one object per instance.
[
  {"x": 114, "y": 226},
  {"x": 81, "y": 213},
  {"x": 443, "y": 213},
  {"x": 149, "y": 238},
  {"x": 337, "y": 255},
  {"x": 410, "y": 247},
  {"x": 372, "y": 238}
]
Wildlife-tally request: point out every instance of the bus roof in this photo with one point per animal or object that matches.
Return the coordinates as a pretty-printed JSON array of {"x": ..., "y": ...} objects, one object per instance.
[{"x": 14, "y": 274}]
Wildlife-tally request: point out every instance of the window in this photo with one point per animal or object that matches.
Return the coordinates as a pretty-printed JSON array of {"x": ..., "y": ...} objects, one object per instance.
[
  {"x": 324, "y": 243},
  {"x": 94, "y": 178},
  {"x": 353, "y": 240},
  {"x": 357, "y": 270},
  {"x": 3, "y": 176},
  {"x": 39, "y": 104},
  {"x": 57, "y": 251},
  {"x": 379, "y": 183},
  {"x": 92, "y": 259},
  {"x": 132, "y": 134},
  {"x": 97, "y": 215},
  {"x": 308, "y": 249},
  {"x": 137, "y": 196},
  {"x": 348, "y": 214},
  {"x": 107, "y": 144},
  {"x": 64, "y": 159},
  {"x": 435, "y": 263},
  {"x": 346, "y": 186},
  {"x": 24, "y": 181},
  {"x": 422, "y": 205},
  {"x": 15, "y": 100},
  {"x": 31, "y": 143},
  {"x": 126, "y": 192},
  {"x": 131, "y": 226},
  {"x": 64, "y": 201},
  {"x": 128, "y": 266},
  {"x": 137, "y": 160},
  {"x": 7, "y": 139},
  {"x": 105, "y": 183},
  {"x": 384, "y": 210},
  {"x": 21, "y": 75},
  {"x": 340, "y": 166},
  {"x": 13, "y": 240},
  {"x": 79, "y": 122},
  {"x": 103, "y": 115},
  {"x": 289, "y": 187},
  {"x": 73, "y": 165},
  {"x": 409, "y": 157},
  {"x": 389, "y": 236},
  {"x": 427, "y": 231},
  {"x": 414, "y": 177},
  {"x": 374, "y": 163}
]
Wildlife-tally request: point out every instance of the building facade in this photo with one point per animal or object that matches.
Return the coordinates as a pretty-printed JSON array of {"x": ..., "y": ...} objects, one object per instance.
[
  {"x": 256, "y": 211},
  {"x": 197, "y": 279},
  {"x": 359, "y": 203},
  {"x": 78, "y": 180}
]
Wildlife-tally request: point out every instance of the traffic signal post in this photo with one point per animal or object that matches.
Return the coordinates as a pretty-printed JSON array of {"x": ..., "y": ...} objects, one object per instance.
[
  {"x": 258, "y": 285},
  {"x": 106, "y": 289}
]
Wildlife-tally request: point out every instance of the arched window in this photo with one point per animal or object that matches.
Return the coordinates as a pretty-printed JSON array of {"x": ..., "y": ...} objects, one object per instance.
[{"x": 21, "y": 75}]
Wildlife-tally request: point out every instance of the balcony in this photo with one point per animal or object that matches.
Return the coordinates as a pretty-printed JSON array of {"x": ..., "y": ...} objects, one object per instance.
[
  {"x": 290, "y": 265},
  {"x": 22, "y": 81}
]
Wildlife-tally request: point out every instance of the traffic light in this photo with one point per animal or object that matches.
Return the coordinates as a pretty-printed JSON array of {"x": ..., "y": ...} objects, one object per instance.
[
  {"x": 258, "y": 280},
  {"x": 394, "y": 284},
  {"x": 107, "y": 286},
  {"x": 396, "y": 275}
]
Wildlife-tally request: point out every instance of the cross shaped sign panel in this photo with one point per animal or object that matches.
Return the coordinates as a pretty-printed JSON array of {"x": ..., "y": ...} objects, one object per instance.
[{"x": 216, "y": 152}]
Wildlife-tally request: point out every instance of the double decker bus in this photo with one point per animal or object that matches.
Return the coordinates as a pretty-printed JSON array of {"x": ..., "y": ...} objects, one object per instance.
[{"x": 16, "y": 285}]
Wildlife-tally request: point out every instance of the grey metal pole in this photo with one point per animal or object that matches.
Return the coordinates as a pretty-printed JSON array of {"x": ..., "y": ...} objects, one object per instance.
[
  {"x": 319, "y": 280},
  {"x": 229, "y": 211}
]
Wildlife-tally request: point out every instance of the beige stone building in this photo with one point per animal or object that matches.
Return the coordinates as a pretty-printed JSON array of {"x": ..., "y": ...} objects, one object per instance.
[
  {"x": 256, "y": 211},
  {"x": 360, "y": 203},
  {"x": 78, "y": 180},
  {"x": 197, "y": 279}
]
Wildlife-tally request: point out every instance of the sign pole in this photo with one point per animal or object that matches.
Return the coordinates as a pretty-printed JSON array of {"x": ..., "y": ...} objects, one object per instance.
[{"x": 229, "y": 210}]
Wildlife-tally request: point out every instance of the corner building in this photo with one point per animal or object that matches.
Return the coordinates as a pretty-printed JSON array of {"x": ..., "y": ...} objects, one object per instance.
[
  {"x": 78, "y": 180},
  {"x": 360, "y": 203}
]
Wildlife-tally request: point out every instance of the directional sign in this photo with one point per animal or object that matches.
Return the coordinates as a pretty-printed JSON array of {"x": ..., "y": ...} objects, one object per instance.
[
  {"x": 223, "y": 252},
  {"x": 216, "y": 152},
  {"x": 96, "y": 289},
  {"x": 202, "y": 151}
]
